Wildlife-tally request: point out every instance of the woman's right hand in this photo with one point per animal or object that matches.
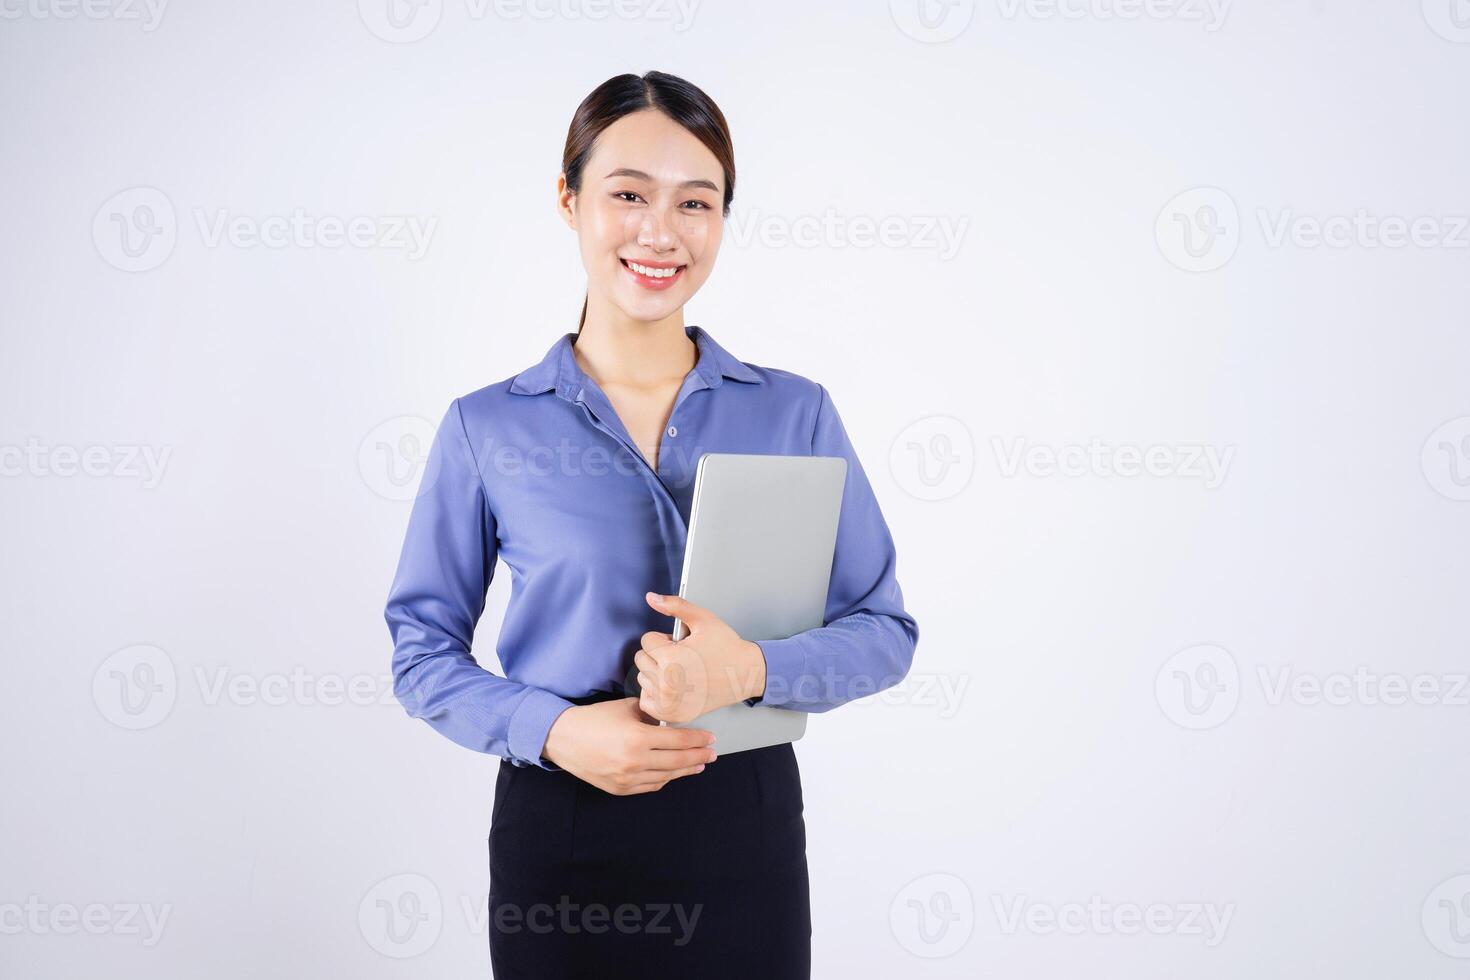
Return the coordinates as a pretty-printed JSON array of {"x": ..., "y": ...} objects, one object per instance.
[{"x": 621, "y": 750}]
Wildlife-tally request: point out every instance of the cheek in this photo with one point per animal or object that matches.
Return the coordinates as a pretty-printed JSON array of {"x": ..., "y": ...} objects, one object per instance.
[
  {"x": 700, "y": 235},
  {"x": 601, "y": 228}
]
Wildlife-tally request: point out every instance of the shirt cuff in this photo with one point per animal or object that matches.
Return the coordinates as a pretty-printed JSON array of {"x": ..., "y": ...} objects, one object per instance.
[
  {"x": 529, "y": 725},
  {"x": 785, "y": 663}
]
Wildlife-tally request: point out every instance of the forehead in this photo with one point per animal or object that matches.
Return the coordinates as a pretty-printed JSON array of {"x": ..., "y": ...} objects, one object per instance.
[{"x": 651, "y": 142}]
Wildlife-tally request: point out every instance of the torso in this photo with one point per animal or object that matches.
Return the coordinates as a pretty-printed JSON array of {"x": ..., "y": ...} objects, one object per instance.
[{"x": 644, "y": 412}]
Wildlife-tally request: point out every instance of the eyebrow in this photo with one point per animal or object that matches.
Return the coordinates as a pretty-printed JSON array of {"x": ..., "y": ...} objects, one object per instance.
[{"x": 640, "y": 175}]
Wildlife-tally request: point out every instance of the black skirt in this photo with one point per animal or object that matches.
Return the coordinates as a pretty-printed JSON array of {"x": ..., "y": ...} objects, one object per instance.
[{"x": 705, "y": 878}]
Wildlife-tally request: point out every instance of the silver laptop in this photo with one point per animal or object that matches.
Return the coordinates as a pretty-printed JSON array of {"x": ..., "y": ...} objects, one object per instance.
[{"x": 762, "y": 530}]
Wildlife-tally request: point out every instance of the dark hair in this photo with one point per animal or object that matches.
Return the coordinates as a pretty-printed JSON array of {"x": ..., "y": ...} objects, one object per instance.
[{"x": 622, "y": 95}]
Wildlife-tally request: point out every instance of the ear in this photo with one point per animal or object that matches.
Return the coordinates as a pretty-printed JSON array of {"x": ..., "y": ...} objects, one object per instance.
[{"x": 566, "y": 202}]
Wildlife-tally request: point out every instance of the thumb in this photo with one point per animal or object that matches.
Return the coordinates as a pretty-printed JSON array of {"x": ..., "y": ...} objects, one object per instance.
[{"x": 678, "y": 606}]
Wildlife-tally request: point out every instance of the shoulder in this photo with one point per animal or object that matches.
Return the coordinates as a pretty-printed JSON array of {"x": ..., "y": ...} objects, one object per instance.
[
  {"x": 490, "y": 394},
  {"x": 789, "y": 387}
]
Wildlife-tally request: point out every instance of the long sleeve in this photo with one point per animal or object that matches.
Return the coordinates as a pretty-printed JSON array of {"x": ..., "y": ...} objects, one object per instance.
[
  {"x": 436, "y": 599},
  {"x": 867, "y": 644}
]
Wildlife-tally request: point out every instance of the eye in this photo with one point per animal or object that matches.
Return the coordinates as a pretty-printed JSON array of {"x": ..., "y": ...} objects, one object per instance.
[
  {"x": 699, "y": 204},
  {"x": 620, "y": 194}
]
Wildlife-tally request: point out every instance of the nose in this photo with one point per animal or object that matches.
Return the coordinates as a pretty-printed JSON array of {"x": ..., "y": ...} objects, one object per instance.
[{"x": 656, "y": 231}]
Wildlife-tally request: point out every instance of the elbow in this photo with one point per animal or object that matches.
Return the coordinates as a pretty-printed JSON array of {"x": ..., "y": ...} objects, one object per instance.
[
  {"x": 903, "y": 641},
  {"x": 895, "y": 637},
  {"x": 410, "y": 661}
]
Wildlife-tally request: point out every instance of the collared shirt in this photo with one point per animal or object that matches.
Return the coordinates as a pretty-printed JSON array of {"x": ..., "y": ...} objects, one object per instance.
[{"x": 538, "y": 471}]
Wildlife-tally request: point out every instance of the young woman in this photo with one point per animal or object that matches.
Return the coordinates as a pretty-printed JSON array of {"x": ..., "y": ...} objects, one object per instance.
[{"x": 618, "y": 847}]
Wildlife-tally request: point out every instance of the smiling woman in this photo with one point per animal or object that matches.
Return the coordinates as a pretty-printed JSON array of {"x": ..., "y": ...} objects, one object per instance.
[
  {"x": 651, "y": 168},
  {"x": 620, "y": 847}
]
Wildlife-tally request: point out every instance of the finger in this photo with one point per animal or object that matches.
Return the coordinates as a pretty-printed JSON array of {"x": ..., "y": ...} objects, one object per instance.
[
  {"x": 642, "y": 788},
  {"x": 663, "y": 760},
  {"x": 662, "y": 779},
  {"x": 644, "y": 662},
  {"x": 653, "y": 639},
  {"x": 680, "y": 608},
  {"x": 679, "y": 738},
  {"x": 649, "y": 705}
]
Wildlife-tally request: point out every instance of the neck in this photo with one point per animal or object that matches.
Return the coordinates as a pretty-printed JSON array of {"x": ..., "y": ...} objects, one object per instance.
[{"x": 614, "y": 349}]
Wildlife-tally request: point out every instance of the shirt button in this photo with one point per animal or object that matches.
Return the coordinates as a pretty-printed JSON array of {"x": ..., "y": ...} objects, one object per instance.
[{"x": 673, "y": 431}]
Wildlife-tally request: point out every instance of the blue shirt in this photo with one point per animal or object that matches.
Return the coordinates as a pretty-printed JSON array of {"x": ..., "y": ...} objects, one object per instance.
[{"x": 538, "y": 471}]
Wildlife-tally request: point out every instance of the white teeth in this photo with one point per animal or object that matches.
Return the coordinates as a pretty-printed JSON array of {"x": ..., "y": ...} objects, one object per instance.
[{"x": 644, "y": 270}]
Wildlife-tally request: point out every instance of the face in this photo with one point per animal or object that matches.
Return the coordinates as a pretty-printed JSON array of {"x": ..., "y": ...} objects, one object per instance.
[{"x": 647, "y": 218}]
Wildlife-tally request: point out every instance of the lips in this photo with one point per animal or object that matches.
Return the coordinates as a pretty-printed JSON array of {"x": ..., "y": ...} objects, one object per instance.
[{"x": 655, "y": 282}]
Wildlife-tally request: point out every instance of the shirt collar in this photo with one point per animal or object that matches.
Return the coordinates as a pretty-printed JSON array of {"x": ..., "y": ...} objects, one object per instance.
[{"x": 559, "y": 370}]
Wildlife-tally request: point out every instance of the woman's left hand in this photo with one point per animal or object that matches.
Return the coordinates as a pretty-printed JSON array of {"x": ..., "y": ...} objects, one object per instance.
[{"x": 708, "y": 669}]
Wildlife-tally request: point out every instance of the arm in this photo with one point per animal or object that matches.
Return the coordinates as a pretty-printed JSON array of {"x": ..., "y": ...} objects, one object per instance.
[
  {"x": 867, "y": 644},
  {"x": 435, "y": 601}
]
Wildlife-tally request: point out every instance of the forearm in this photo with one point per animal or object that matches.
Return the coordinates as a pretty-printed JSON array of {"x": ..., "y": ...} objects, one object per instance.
[
  {"x": 476, "y": 708},
  {"x": 849, "y": 658}
]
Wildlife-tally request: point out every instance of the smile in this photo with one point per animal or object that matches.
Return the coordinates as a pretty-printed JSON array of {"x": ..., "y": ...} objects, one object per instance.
[{"x": 653, "y": 276}]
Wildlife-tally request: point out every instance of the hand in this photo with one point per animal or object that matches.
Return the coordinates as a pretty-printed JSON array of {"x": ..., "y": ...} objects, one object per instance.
[
  {"x": 620, "y": 750},
  {"x": 710, "y": 668}
]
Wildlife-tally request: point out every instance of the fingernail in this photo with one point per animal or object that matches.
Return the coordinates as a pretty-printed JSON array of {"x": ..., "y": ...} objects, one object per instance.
[
  {"x": 711, "y": 739},
  {"x": 699, "y": 768}
]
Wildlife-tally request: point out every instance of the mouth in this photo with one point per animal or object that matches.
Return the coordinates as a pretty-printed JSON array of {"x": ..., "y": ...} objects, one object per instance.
[{"x": 654, "y": 275}]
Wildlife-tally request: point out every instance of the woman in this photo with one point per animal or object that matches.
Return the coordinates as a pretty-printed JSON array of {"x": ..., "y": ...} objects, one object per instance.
[{"x": 617, "y": 847}]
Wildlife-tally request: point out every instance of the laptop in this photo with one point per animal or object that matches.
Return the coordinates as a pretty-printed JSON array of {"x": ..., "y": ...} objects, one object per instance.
[{"x": 762, "y": 533}]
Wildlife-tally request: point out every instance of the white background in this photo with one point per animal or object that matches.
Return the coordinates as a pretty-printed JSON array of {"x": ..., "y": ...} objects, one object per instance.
[{"x": 1095, "y": 713}]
